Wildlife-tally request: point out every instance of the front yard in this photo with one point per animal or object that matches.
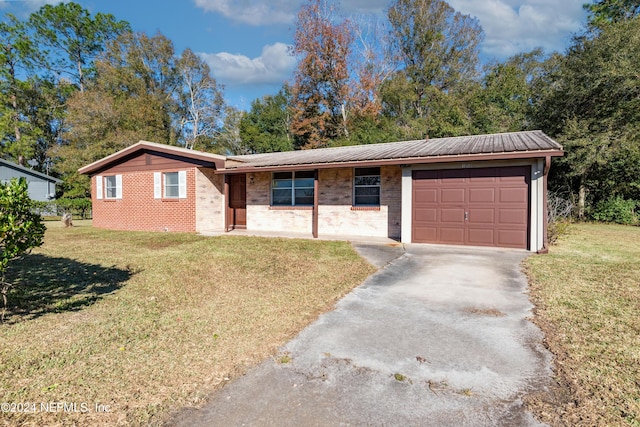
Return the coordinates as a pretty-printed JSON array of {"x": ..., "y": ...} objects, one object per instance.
[
  {"x": 121, "y": 328},
  {"x": 587, "y": 293},
  {"x": 111, "y": 328}
]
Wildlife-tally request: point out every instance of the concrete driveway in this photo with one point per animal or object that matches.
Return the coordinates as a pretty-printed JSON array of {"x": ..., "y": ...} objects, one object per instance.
[{"x": 438, "y": 337}]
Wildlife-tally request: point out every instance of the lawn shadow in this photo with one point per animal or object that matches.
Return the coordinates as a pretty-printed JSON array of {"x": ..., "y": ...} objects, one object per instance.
[{"x": 44, "y": 284}]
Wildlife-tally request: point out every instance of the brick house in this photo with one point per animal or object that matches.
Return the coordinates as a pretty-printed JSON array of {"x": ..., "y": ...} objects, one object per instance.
[{"x": 487, "y": 190}]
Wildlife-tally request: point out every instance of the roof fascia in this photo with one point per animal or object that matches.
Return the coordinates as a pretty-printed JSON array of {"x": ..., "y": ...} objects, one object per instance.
[
  {"x": 30, "y": 171},
  {"x": 401, "y": 161},
  {"x": 103, "y": 163}
]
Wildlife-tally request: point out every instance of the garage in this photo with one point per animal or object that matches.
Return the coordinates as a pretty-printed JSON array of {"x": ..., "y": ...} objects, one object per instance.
[{"x": 474, "y": 206}]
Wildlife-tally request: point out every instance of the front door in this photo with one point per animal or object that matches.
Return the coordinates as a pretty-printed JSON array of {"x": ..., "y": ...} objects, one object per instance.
[{"x": 237, "y": 209}]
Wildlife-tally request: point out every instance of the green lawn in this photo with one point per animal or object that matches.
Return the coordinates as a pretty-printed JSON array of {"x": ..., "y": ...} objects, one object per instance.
[
  {"x": 587, "y": 293},
  {"x": 145, "y": 323}
]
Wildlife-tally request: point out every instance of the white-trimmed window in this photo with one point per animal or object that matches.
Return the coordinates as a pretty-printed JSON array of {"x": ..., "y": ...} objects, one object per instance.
[
  {"x": 112, "y": 186},
  {"x": 366, "y": 187},
  {"x": 170, "y": 185},
  {"x": 292, "y": 188}
]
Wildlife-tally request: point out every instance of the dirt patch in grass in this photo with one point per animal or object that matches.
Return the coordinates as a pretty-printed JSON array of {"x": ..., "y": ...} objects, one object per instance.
[
  {"x": 485, "y": 311},
  {"x": 587, "y": 297},
  {"x": 131, "y": 326}
]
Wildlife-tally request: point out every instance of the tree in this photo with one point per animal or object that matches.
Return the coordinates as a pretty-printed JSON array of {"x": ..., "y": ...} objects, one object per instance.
[
  {"x": 265, "y": 128},
  {"x": 131, "y": 98},
  {"x": 17, "y": 56},
  {"x": 229, "y": 140},
  {"x": 20, "y": 228},
  {"x": 593, "y": 108},
  {"x": 437, "y": 47},
  {"x": 45, "y": 108},
  {"x": 603, "y": 12},
  {"x": 503, "y": 102},
  {"x": 200, "y": 100},
  {"x": 372, "y": 64},
  {"x": 71, "y": 38},
  {"x": 320, "y": 90}
]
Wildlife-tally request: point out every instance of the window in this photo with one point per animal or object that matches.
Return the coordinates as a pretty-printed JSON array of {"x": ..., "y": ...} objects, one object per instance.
[
  {"x": 366, "y": 187},
  {"x": 170, "y": 185},
  {"x": 112, "y": 186},
  {"x": 292, "y": 188}
]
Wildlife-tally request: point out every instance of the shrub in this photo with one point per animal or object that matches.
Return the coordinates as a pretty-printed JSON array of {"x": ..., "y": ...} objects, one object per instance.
[
  {"x": 558, "y": 216},
  {"x": 20, "y": 228},
  {"x": 616, "y": 209}
]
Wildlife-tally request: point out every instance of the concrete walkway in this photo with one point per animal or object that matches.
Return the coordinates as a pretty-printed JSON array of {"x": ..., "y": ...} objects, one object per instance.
[{"x": 438, "y": 337}]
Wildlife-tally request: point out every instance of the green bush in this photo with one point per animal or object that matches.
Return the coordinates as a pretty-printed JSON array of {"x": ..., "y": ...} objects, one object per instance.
[
  {"x": 20, "y": 228},
  {"x": 616, "y": 210}
]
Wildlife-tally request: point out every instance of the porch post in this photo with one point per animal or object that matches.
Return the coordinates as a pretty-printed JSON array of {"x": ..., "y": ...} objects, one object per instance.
[
  {"x": 315, "y": 204},
  {"x": 545, "y": 187},
  {"x": 226, "y": 202}
]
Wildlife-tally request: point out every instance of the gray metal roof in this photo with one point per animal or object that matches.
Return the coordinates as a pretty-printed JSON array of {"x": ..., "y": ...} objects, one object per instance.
[
  {"x": 515, "y": 142},
  {"x": 28, "y": 171}
]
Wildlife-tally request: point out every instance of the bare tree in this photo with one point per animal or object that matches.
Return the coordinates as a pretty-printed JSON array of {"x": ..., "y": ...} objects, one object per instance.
[
  {"x": 372, "y": 63},
  {"x": 201, "y": 101}
]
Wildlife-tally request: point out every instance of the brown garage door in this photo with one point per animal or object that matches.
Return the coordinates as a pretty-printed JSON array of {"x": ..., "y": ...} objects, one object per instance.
[{"x": 483, "y": 207}]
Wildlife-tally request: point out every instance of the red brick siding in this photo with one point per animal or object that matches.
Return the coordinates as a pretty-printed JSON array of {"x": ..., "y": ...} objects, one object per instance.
[{"x": 138, "y": 210}]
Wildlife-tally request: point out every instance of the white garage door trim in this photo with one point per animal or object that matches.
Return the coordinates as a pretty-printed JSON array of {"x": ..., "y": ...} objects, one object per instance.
[{"x": 536, "y": 197}]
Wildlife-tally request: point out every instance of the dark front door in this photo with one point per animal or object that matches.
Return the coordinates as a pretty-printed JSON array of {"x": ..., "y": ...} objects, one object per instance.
[{"x": 237, "y": 209}]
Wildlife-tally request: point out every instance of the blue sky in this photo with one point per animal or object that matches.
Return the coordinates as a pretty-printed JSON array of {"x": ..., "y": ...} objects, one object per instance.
[{"x": 245, "y": 41}]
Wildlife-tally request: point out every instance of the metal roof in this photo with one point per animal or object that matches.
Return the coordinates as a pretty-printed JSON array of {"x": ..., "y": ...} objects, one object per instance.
[
  {"x": 534, "y": 142},
  {"x": 514, "y": 145},
  {"x": 29, "y": 171}
]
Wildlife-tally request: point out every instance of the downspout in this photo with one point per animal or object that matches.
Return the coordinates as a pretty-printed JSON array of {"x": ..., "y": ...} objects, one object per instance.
[
  {"x": 315, "y": 205},
  {"x": 545, "y": 214}
]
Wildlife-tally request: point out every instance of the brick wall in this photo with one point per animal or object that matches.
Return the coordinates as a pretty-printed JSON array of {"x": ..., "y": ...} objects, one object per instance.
[
  {"x": 335, "y": 212},
  {"x": 391, "y": 197},
  {"x": 209, "y": 200},
  {"x": 203, "y": 209},
  {"x": 261, "y": 217},
  {"x": 138, "y": 210}
]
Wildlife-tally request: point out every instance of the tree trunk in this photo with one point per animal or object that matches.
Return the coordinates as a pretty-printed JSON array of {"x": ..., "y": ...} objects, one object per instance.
[
  {"x": 14, "y": 105},
  {"x": 345, "y": 128},
  {"x": 582, "y": 193},
  {"x": 80, "y": 75}
]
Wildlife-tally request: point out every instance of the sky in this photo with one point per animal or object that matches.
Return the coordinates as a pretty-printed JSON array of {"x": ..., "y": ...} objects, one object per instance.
[{"x": 245, "y": 42}]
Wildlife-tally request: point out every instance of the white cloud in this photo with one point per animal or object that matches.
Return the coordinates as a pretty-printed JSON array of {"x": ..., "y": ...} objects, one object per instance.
[
  {"x": 253, "y": 12},
  {"x": 25, "y": 7},
  {"x": 265, "y": 12},
  {"x": 513, "y": 26},
  {"x": 273, "y": 66}
]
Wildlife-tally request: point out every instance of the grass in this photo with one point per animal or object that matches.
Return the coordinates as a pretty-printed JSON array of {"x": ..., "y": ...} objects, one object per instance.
[
  {"x": 146, "y": 323},
  {"x": 587, "y": 297}
]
